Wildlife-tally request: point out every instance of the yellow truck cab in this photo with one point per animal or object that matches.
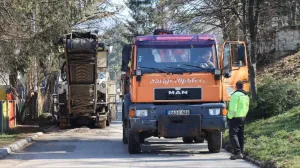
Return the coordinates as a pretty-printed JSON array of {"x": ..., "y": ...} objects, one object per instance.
[{"x": 177, "y": 86}]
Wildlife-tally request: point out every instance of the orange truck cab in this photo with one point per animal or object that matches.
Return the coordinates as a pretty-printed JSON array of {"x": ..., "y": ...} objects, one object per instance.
[{"x": 177, "y": 86}]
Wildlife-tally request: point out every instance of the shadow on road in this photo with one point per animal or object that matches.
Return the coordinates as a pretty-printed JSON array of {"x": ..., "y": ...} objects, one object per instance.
[{"x": 85, "y": 148}]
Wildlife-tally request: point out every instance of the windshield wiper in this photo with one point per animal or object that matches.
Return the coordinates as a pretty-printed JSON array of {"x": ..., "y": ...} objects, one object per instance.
[
  {"x": 155, "y": 69},
  {"x": 183, "y": 69},
  {"x": 197, "y": 66}
]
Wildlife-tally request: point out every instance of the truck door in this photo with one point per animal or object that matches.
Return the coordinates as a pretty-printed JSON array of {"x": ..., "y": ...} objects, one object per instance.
[{"x": 235, "y": 67}]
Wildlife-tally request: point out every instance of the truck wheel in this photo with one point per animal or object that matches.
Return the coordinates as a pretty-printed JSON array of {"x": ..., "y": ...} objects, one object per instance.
[
  {"x": 123, "y": 112},
  {"x": 214, "y": 141},
  {"x": 108, "y": 119},
  {"x": 102, "y": 124},
  {"x": 64, "y": 123},
  {"x": 142, "y": 139},
  {"x": 107, "y": 123},
  {"x": 187, "y": 139},
  {"x": 125, "y": 132},
  {"x": 134, "y": 146},
  {"x": 199, "y": 140}
]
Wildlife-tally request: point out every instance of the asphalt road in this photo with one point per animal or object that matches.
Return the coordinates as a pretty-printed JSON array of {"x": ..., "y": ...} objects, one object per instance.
[{"x": 84, "y": 147}]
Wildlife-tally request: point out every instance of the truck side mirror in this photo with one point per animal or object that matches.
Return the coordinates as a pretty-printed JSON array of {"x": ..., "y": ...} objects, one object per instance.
[
  {"x": 227, "y": 66},
  {"x": 102, "y": 59},
  {"x": 63, "y": 72},
  {"x": 110, "y": 49},
  {"x": 102, "y": 56},
  {"x": 126, "y": 52},
  {"x": 227, "y": 74}
]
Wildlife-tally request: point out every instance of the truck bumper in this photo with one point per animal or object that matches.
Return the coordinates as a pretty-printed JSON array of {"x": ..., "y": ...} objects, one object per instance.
[{"x": 178, "y": 126}]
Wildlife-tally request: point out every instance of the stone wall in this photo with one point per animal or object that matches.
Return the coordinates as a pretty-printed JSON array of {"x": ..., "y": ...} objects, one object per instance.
[
  {"x": 288, "y": 39},
  {"x": 280, "y": 41}
]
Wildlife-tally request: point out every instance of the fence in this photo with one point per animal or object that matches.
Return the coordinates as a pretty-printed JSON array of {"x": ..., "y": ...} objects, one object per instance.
[{"x": 7, "y": 115}]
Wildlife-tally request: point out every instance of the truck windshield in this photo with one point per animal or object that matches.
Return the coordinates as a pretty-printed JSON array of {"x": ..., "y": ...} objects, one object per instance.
[{"x": 176, "y": 58}]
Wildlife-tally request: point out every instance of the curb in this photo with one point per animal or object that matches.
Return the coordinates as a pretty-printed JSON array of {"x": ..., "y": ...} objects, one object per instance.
[
  {"x": 258, "y": 163},
  {"x": 18, "y": 145},
  {"x": 247, "y": 158}
]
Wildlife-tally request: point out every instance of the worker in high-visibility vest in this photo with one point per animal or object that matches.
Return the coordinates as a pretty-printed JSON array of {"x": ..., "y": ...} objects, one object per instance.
[{"x": 238, "y": 109}]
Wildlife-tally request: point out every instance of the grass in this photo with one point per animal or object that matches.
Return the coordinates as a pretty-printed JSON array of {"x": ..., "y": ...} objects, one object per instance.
[
  {"x": 20, "y": 132},
  {"x": 274, "y": 141},
  {"x": 16, "y": 134},
  {"x": 6, "y": 139}
]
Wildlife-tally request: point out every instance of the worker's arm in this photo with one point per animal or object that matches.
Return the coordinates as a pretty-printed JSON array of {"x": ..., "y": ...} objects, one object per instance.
[{"x": 232, "y": 106}]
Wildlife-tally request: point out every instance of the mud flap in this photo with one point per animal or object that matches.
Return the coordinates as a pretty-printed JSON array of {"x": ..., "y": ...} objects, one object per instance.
[{"x": 179, "y": 126}]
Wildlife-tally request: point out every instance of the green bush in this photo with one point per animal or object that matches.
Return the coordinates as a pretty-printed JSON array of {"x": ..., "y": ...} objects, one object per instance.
[
  {"x": 254, "y": 111},
  {"x": 276, "y": 96}
]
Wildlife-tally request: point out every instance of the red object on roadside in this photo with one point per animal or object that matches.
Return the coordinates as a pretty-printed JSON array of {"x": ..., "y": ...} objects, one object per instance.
[
  {"x": 11, "y": 114},
  {"x": 11, "y": 111},
  {"x": 9, "y": 96}
]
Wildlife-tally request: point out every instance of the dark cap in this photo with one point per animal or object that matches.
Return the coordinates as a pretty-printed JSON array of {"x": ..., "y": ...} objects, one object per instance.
[{"x": 239, "y": 85}]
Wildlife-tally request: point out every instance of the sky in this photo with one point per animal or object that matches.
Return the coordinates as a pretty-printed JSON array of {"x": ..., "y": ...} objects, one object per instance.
[
  {"x": 108, "y": 23},
  {"x": 125, "y": 11},
  {"x": 104, "y": 24}
]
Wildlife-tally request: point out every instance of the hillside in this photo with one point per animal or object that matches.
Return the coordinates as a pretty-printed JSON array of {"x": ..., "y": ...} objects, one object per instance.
[
  {"x": 275, "y": 141},
  {"x": 287, "y": 67}
]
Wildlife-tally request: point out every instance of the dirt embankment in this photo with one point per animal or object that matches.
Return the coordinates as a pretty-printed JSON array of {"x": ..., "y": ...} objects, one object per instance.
[{"x": 287, "y": 67}]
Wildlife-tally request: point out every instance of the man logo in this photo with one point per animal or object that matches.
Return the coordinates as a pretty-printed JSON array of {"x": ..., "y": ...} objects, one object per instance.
[{"x": 178, "y": 92}]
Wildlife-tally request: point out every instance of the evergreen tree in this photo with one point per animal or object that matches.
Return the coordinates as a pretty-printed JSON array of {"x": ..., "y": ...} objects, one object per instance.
[{"x": 141, "y": 22}]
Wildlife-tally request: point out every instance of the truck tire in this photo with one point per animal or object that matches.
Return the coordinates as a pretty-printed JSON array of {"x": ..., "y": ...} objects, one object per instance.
[
  {"x": 125, "y": 132},
  {"x": 198, "y": 139},
  {"x": 108, "y": 118},
  {"x": 214, "y": 141},
  {"x": 63, "y": 126},
  {"x": 102, "y": 124},
  {"x": 64, "y": 123},
  {"x": 134, "y": 145},
  {"x": 142, "y": 139},
  {"x": 123, "y": 112},
  {"x": 187, "y": 139}
]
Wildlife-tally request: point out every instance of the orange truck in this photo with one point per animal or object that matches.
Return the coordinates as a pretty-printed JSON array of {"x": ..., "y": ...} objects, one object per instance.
[{"x": 177, "y": 86}]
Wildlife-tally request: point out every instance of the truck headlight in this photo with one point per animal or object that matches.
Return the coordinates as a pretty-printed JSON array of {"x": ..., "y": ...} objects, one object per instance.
[
  {"x": 215, "y": 111},
  {"x": 141, "y": 113}
]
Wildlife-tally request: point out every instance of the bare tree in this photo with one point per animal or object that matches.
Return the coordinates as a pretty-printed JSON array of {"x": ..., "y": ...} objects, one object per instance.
[
  {"x": 28, "y": 30},
  {"x": 252, "y": 18}
]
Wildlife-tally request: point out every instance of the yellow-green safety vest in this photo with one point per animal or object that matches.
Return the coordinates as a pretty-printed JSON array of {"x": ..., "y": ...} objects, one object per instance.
[{"x": 238, "y": 105}]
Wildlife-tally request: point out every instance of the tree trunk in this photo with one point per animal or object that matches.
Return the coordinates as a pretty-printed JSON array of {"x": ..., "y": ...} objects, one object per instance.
[
  {"x": 252, "y": 70},
  {"x": 253, "y": 15},
  {"x": 293, "y": 13}
]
